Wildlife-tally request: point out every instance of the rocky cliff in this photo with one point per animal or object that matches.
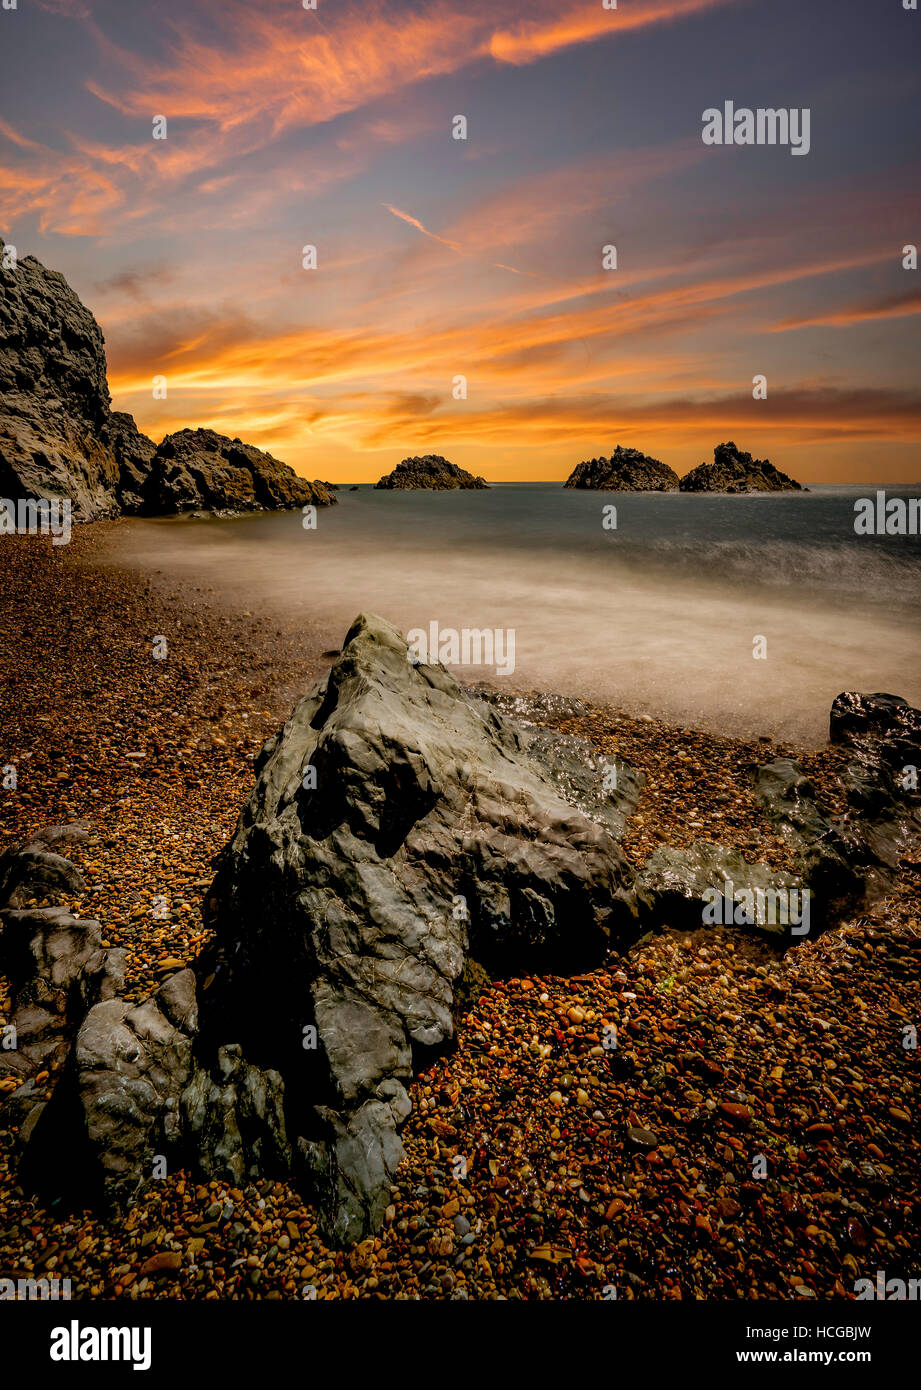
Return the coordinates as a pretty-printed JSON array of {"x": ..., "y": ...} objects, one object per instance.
[{"x": 59, "y": 437}]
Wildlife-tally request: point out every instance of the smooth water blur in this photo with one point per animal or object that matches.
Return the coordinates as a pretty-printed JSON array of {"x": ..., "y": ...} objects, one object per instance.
[{"x": 657, "y": 616}]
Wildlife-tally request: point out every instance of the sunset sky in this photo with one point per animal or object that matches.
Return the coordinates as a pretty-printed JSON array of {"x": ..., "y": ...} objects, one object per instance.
[{"x": 439, "y": 257}]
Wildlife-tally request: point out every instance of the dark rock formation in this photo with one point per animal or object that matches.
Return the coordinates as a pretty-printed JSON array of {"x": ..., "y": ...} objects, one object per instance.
[
  {"x": 200, "y": 470},
  {"x": 735, "y": 471},
  {"x": 430, "y": 471},
  {"x": 136, "y": 454},
  {"x": 59, "y": 437},
  {"x": 852, "y": 859},
  {"x": 627, "y": 470}
]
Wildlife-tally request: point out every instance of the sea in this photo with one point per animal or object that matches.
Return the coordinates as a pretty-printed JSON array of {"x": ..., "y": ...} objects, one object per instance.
[{"x": 744, "y": 615}]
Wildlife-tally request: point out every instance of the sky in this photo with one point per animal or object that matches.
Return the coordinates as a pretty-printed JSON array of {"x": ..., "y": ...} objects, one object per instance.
[{"x": 481, "y": 259}]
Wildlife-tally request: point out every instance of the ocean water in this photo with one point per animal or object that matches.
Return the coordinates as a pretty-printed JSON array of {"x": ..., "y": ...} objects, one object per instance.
[{"x": 661, "y": 615}]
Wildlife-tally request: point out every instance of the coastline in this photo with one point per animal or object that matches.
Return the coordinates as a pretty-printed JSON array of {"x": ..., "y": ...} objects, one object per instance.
[{"x": 157, "y": 756}]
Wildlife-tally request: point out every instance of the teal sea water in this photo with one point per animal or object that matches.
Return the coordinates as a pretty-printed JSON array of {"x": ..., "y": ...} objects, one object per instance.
[{"x": 659, "y": 615}]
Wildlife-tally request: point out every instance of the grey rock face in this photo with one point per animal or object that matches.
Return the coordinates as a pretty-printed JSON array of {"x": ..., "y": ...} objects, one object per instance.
[
  {"x": 732, "y": 470},
  {"x": 200, "y": 470},
  {"x": 234, "y": 1120},
  {"x": 627, "y": 470},
  {"x": 437, "y": 829},
  {"x": 57, "y": 969},
  {"x": 430, "y": 471},
  {"x": 57, "y": 438}
]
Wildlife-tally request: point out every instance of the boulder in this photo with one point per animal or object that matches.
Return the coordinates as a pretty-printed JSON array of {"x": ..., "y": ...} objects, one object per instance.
[
  {"x": 201, "y": 470},
  {"x": 732, "y": 470},
  {"x": 398, "y": 829},
  {"x": 627, "y": 470},
  {"x": 430, "y": 471}
]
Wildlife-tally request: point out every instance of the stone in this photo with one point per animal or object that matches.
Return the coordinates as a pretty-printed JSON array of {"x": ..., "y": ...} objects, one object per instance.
[
  {"x": 57, "y": 969},
  {"x": 115, "y": 1109},
  {"x": 34, "y": 872},
  {"x": 627, "y": 470},
  {"x": 732, "y": 470},
  {"x": 429, "y": 471},
  {"x": 233, "y": 1119}
]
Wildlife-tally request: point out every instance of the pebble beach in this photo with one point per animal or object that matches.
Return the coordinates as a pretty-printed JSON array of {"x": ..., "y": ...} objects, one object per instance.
[{"x": 753, "y": 1136}]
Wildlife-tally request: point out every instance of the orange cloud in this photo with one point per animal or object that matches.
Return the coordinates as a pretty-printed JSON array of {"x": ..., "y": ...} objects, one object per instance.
[
  {"x": 896, "y": 306},
  {"x": 533, "y": 39},
  {"x": 414, "y": 222}
]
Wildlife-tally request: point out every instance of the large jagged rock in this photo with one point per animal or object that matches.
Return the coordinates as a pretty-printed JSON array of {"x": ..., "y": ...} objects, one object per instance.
[
  {"x": 58, "y": 437},
  {"x": 732, "y": 470},
  {"x": 430, "y": 471},
  {"x": 437, "y": 831},
  {"x": 627, "y": 470},
  {"x": 201, "y": 470}
]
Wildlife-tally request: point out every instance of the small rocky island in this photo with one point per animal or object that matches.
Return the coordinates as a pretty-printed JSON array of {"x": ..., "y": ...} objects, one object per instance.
[
  {"x": 627, "y": 470},
  {"x": 430, "y": 471},
  {"x": 732, "y": 470},
  {"x": 60, "y": 438}
]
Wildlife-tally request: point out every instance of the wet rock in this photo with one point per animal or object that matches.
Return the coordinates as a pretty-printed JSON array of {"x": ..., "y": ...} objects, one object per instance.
[
  {"x": 627, "y": 470},
  {"x": 850, "y": 860},
  {"x": 675, "y": 888}
]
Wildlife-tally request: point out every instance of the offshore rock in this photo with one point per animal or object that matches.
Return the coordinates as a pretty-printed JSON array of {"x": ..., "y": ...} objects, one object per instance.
[
  {"x": 732, "y": 470},
  {"x": 430, "y": 471},
  {"x": 627, "y": 470}
]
